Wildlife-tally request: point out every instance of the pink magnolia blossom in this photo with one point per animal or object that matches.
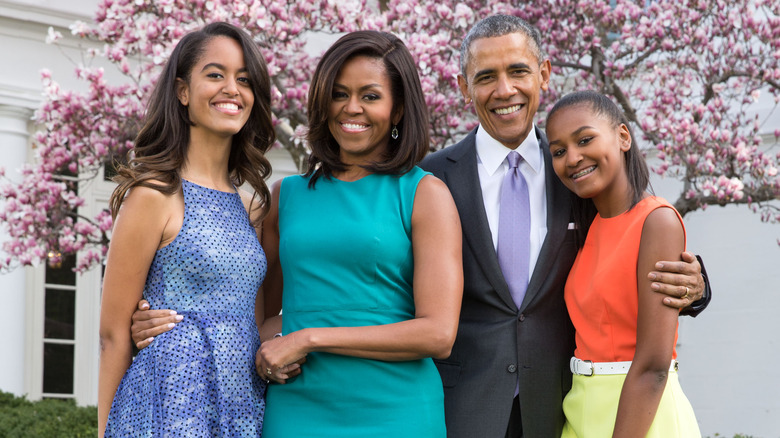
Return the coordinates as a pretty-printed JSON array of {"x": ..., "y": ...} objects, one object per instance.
[{"x": 687, "y": 74}]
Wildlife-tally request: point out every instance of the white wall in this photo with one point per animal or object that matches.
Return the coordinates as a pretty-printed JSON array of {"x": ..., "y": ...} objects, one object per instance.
[{"x": 728, "y": 354}]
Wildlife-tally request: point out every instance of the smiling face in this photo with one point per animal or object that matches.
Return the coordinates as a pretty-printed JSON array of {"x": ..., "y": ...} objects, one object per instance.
[
  {"x": 361, "y": 110},
  {"x": 219, "y": 94},
  {"x": 588, "y": 155},
  {"x": 504, "y": 80}
]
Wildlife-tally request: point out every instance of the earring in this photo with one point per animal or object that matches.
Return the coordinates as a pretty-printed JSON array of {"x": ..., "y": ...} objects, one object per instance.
[{"x": 394, "y": 132}]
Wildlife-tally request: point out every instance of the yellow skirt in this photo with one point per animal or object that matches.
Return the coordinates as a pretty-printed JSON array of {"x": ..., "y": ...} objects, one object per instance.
[{"x": 591, "y": 409}]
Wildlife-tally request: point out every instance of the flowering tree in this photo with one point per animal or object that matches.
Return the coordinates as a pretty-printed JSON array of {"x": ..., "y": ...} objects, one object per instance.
[{"x": 663, "y": 63}]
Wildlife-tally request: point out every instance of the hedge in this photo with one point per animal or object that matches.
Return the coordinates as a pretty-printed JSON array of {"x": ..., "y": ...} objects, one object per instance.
[{"x": 20, "y": 418}]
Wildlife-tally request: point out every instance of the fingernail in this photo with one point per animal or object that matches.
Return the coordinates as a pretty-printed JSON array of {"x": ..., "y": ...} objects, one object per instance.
[
  {"x": 151, "y": 339},
  {"x": 179, "y": 317},
  {"x": 651, "y": 276},
  {"x": 173, "y": 312},
  {"x": 144, "y": 306},
  {"x": 655, "y": 286},
  {"x": 171, "y": 325},
  {"x": 659, "y": 265}
]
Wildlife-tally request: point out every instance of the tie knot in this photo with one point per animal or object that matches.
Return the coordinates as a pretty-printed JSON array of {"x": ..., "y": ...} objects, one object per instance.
[{"x": 514, "y": 159}]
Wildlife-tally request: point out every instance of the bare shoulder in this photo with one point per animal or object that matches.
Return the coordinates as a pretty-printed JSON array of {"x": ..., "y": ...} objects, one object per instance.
[
  {"x": 431, "y": 185},
  {"x": 663, "y": 237},
  {"x": 146, "y": 198},
  {"x": 661, "y": 221},
  {"x": 433, "y": 199}
]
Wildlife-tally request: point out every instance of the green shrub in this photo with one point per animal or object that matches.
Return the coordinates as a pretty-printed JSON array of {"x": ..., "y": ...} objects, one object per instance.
[{"x": 20, "y": 418}]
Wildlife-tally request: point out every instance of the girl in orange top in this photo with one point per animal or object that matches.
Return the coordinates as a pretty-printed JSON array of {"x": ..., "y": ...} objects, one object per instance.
[{"x": 623, "y": 383}]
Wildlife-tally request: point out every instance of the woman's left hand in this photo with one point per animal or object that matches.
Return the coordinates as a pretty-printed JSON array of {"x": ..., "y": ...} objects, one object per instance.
[{"x": 279, "y": 359}]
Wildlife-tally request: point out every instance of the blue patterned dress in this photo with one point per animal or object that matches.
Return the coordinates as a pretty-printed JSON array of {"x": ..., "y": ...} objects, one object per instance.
[{"x": 199, "y": 379}]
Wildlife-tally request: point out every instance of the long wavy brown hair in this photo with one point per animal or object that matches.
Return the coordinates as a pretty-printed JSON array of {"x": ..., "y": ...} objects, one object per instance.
[{"x": 161, "y": 145}]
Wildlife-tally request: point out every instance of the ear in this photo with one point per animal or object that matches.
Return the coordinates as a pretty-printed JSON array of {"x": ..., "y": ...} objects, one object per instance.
[
  {"x": 624, "y": 137},
  {"x": 545, "y": 68},
  {"x": 182, "y": 91},
  {"x": 464, "y": 88},
  {"x": 398, "y": 113}
]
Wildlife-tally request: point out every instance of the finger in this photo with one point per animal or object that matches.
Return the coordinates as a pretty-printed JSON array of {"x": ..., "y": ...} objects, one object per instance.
[
  {"x": 673, "y": 282},
  {"x": 146, "y": 315},
  {"x": 145, "y": 343},
  {"x": 677, "y": 303},
  {"x": 143, "y": 305},
  {"x": 689, "y": 257},
  {"x": 141, "y": 333},
  {"x": 675, "y": 267}
]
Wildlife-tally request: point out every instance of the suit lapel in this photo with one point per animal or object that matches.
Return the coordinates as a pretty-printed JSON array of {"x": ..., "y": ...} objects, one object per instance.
[
  {"x": 558, "y": 216},
  {"x": 463, "y": 181}
]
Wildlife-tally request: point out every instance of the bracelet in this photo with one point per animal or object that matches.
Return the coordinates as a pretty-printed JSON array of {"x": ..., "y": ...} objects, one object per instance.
[{"x": 278, "y": 335}]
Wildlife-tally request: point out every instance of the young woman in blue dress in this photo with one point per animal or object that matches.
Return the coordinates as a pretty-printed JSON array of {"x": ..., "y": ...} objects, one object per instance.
[{"x": 184, "y": 237}]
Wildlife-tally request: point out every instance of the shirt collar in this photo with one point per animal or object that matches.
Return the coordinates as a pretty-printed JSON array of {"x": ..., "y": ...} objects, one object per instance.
[{"x": 492, "y": 153}]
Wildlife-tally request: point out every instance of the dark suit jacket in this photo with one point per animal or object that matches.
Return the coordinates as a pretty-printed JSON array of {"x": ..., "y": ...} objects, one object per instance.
[{"x": 497, "y": 342}]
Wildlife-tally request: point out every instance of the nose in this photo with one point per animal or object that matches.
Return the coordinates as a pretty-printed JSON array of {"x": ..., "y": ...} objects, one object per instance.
[
  {"x": 504, "y": 87},
  {"x": 573, "y": 157},
  {"x": 353, "y": 105},
  {"x": 231, "y": 87}
]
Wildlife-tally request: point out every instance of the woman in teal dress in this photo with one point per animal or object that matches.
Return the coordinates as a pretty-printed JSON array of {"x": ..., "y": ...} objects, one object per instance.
[{"x": 369, "y": 247}]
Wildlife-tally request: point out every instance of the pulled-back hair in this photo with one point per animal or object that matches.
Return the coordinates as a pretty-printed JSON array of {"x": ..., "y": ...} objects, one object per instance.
[
  {"x": 161, "y": 146},
  {"x": 636, "y": 167},
  {"x": 496, "y": 26},
  {"x": 412, "y": 144}
]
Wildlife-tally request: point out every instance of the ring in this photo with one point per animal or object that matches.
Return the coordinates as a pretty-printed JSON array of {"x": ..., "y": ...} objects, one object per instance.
[
  {"x": 686, "y": 292},
  {"x": 268, "y": 371}
]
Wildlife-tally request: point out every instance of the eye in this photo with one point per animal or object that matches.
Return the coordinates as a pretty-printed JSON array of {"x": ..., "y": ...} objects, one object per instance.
[
  {"x": 245, "y": 80},
  {"x": 483, "y": 79},
  {"x": 584, "y": 141},
  {"x": 371, "y": 97},
  {"x": 214, "y": 75},
  {"x": 558, "y": 152},
  {"x": 338, "y": 95}
]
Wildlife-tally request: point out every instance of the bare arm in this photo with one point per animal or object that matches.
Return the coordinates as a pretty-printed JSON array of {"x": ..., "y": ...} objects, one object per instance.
[
  {"x": 662, "y": 238},
  {"x": 681, "y": 280},
  {"x": 139, "y": 230},
  {"x": 437, "y": 285}
]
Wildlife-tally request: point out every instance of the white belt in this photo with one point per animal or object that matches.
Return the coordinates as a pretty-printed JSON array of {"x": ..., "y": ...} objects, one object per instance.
[{"x": 588, "y": 368}]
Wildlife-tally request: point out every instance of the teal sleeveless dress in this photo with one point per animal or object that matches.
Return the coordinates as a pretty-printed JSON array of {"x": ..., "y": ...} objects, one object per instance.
[{"x": 346, "y": 255}]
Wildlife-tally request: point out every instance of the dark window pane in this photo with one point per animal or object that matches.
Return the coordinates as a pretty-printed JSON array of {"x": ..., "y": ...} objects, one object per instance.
[
  {"x": 57, "y": 368},
  {"x": 60, "y": 314},
  {"x": 62, "y": 273}
]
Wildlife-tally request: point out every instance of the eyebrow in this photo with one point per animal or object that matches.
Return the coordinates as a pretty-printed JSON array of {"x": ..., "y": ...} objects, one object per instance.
[
  {"x": 220, "y": 66},
  {"x": 576, "y": 132},
  {"x": 363, "y": 88},
  {"x": 511, "y": 67}
]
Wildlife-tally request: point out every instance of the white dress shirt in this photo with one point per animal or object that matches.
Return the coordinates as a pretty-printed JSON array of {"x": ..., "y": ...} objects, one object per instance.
[{"x": 492, "y": 167}]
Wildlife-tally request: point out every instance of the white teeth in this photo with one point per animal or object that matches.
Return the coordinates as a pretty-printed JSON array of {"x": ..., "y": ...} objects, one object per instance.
[
  {"x": 583, "y": 172},
  {"x": 353, "y": 126},
  {"x": 505, "y": 111},
  {"x": 227, "y": 106}
]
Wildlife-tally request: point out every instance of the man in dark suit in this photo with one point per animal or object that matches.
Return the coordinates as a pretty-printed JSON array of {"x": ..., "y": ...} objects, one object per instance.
[{"x": 509, "y": 368}]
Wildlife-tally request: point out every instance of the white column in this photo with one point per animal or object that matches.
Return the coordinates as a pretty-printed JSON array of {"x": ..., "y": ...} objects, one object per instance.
[{"x": 14, "y": 137}]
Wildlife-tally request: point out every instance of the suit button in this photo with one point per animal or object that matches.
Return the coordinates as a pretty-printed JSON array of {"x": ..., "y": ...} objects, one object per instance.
[
  {"x": 511, "y": 368},
  {"x": 521, "y": 317}
]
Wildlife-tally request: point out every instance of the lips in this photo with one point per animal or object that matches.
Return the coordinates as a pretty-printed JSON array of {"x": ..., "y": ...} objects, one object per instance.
[
  {"x": 583, "y": 172},
  {"x": 353, "y": 127}
]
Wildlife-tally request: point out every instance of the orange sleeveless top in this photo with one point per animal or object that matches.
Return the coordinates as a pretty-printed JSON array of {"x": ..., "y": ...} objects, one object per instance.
[{"x": 601, "y": 290}]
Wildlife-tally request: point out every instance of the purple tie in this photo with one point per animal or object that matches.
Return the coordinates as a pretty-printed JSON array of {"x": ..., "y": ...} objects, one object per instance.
[{"x": 514, "y": 229}]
